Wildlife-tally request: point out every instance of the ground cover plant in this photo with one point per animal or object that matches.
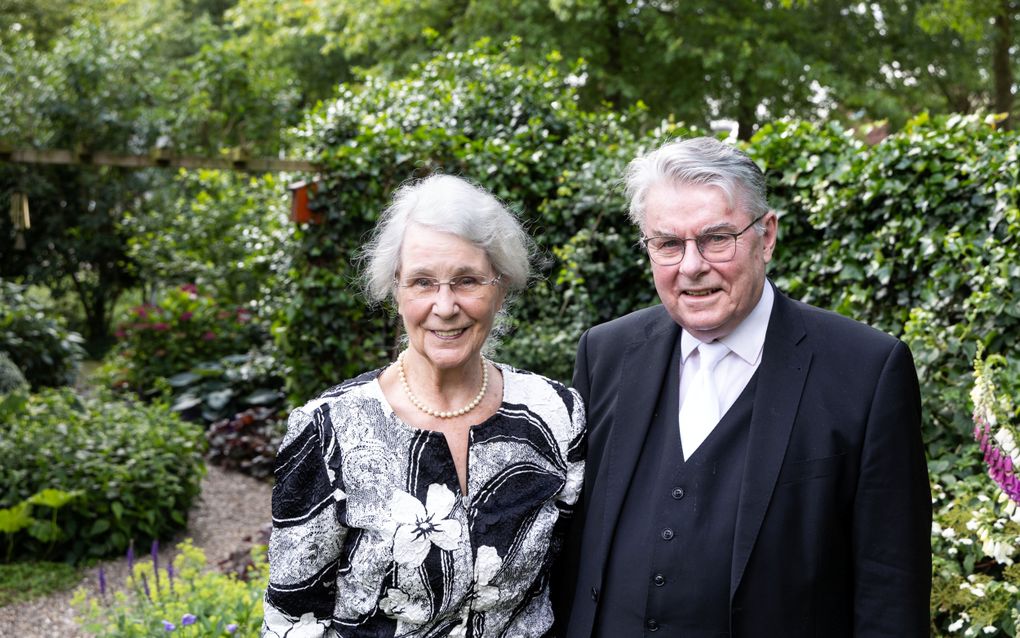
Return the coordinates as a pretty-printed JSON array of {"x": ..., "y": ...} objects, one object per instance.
[
  {"x": 135, "y": 469},
  {"x": 182, "y": 599},
  {"x": 27, "y": 580}
]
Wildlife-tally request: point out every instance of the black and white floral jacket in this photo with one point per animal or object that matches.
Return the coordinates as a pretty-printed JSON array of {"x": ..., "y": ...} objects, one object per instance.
[{"x": 372, "y": 536}]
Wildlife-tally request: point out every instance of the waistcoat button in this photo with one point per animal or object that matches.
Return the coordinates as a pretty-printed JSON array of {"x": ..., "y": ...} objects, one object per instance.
[
  {"x": 667, "y": 534},
  {"x": 678, "y": 493},
  {"x": 652, "y": 624},
  {"x": 659, "y": 580}
]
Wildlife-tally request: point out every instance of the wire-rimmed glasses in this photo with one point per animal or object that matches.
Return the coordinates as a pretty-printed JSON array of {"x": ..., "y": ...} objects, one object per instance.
[
  {"x": 467, "y": 286},
  {"x": 715, "y": 247}
]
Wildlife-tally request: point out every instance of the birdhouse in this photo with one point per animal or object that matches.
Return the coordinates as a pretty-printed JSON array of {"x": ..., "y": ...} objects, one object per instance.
[{"x": 300, "y": 213}]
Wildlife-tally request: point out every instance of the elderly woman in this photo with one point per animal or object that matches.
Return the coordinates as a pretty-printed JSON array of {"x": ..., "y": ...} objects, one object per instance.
[{"x": 428, "y": 498}]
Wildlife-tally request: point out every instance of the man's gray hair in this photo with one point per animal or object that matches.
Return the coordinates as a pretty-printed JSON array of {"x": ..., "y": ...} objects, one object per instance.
[
  {"x": 700, "y": 161},
  {"x": 448, "y": 204}
]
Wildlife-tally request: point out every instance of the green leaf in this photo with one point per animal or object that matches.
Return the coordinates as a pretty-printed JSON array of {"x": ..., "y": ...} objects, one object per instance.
[{"x": 17, "y": 518}]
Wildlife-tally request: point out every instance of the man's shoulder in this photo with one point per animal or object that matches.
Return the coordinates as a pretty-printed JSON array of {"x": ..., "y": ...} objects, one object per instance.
[
  {"x": 638, "y": 323},
  {"x": 829, "y": 324}
]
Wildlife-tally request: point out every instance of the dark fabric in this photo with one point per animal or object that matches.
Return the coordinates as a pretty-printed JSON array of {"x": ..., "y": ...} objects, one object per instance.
[
  {"x": 669, "y": 566},
  {"x": 833, "y": 521}
]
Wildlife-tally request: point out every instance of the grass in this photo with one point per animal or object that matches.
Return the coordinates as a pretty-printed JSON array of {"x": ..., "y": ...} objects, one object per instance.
[{"x": 23, "y": 581}]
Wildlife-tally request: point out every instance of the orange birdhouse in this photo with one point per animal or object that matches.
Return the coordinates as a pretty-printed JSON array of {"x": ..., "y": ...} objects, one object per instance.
[{"x": 300, "y": 213}]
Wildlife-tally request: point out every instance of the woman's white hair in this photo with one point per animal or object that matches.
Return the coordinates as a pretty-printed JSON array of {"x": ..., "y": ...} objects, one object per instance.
[
  {"x": 700, "y": 161},
  {"x": 448, "y": 204}
]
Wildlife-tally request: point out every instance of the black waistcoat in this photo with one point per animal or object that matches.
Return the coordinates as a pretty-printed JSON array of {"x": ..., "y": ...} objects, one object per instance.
[{"x": 669, "y": 567}]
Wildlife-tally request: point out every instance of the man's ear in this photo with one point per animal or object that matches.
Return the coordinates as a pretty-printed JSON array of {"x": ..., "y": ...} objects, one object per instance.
[{"x": 771, "y": 223}]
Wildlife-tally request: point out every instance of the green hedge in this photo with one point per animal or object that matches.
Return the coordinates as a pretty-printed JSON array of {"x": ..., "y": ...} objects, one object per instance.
[
  {"x": 916, "y": 235},
  {"x": 138, "y": 468}
]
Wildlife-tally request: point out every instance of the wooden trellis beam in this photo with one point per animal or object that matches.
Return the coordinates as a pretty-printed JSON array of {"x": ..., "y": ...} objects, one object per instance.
[{"x": 158, "y": 158}]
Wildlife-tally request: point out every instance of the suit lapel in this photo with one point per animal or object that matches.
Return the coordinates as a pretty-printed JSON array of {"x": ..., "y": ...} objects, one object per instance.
[
  {"x": 644, "y": 369},
  {"x": 781, "y": 378}
]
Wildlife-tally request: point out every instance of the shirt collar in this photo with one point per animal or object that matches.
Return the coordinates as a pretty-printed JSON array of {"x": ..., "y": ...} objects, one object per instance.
[{"x": 748, "y": 339}]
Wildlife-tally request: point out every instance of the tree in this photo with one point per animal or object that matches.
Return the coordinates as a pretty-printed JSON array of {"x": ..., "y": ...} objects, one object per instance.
[{"x": 991, "y": 27}]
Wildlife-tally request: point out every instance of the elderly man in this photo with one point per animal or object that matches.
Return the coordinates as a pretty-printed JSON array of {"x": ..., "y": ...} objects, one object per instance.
[{"x": 755, "y": 465}]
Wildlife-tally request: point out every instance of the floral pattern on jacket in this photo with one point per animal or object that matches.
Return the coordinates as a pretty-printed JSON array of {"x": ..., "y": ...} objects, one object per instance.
[{"x": 372, "y": 536}]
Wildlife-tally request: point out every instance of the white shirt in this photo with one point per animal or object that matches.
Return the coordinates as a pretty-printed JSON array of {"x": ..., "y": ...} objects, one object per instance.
[{"x": 735, "y": 369}]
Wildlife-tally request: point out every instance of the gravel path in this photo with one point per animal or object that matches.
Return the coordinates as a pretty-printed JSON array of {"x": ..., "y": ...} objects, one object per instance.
[{"x": 232, "y": 509}]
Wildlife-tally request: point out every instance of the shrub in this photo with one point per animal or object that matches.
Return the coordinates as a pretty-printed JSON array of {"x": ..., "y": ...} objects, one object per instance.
[
  {"x": 247, "y": 442},
  {"x": 43, "y": 349},
  {"x": 187, "y": 600},
  {"x": 214, "y": 390},
  {"x": 139, "y": 468},
  {"x": 11, "y": 377},
  {"x": 183, "y": 329}
]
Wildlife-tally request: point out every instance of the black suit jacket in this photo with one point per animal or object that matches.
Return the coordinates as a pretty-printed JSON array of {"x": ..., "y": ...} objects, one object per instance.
[{"x": 834, "y": 516}]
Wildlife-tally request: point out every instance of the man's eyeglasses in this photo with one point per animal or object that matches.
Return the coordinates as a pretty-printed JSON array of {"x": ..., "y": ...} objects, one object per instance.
[
  {"x": 715, "y": 247},
  {"x": 460, "y": 286}
]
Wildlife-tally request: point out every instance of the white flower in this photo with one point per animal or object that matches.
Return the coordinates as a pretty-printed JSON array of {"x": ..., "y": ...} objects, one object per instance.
[
  {"x": 487, "y": 565},
  {"x": 397, "y": 604},
  {"x": 420, "y": 526},
  {"x": 989, "y": 629},
  {"x": 956, "y": 626}
]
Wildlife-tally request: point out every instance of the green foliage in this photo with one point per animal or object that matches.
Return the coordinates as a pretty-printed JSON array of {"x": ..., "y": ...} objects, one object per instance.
[
  {"x": 975, "y": 549},
  {"x": 39, "y": 345},
  {"x": 11, "y": 377},
  {"x": 19, "y": 517},
  {"x": 190, "y": 601},
  {"x": 27, "y": 580},
  {"x": 915, "y": 235},
  {"x": 214, "y": 390},
  {"x": 226, "y": 232},
  {"x": 139, "y": 469}
]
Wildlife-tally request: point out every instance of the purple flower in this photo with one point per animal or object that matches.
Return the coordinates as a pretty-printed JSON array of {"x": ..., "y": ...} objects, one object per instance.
[
  {"x": 186, "y": 316},
  {"x": 169, "y": 626},
  {"x": 131, "y": 556},
  {"x": 155, "y": 561},
  {"x": 170, "y": 575},
  {"x": 145, "y": 588},
  {"x": 188, "y": 619},
  {"x": 102, "y": 582},
  {"x": 161, "y": 326},
  {"x": 231, "y": 628},
  {"x": 209, "y": 335}
]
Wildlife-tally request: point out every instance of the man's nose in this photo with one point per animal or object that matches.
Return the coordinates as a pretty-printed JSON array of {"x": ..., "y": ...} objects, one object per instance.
[{"x": 692, "y": 262}]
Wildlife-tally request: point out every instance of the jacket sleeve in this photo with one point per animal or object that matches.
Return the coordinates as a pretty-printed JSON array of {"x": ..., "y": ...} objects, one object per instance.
[
  {"x": 892, "y": 510},
  {"x": 564, "y": 573},
  {"x": 307, "y": 538}
]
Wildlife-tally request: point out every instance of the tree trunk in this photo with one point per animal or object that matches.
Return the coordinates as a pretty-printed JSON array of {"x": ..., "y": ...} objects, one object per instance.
[{"x": 1002, "y": 68}]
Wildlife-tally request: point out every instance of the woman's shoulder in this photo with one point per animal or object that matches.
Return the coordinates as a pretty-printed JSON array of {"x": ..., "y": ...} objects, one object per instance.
[
  {"x": 524, "y": 386},
  {"x": 356, "y": 389}
]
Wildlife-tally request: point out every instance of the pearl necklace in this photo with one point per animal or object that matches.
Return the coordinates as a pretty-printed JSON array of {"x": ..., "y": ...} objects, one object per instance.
[{"x": 438, "y": 413}]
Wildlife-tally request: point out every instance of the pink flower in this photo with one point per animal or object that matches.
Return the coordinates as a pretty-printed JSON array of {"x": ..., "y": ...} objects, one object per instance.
[
  {"x": 190, "y": 288},
  {"x": 209, "y": 335},
  {"x": 141, "y": 312},
  {"x": 120, "y": 334},
  {"x": 161, "y": 326},
  {"x": 187, "y": 315}
]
